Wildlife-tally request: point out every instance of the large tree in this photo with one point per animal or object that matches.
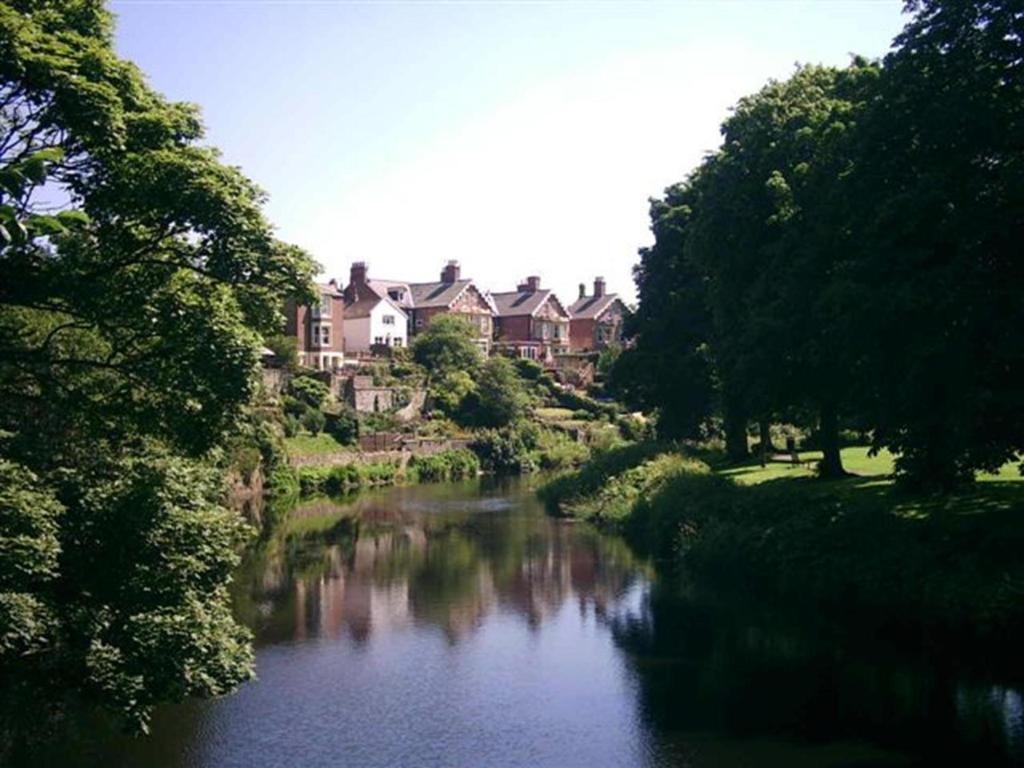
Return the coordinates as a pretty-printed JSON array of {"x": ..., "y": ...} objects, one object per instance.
[
  {"x": 940, "y": 220},
  {"x": 137, "y": 275}
]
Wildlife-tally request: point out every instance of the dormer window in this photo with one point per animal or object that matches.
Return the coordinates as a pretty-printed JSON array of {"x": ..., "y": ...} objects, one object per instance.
[{"x": 396, "y": 294}]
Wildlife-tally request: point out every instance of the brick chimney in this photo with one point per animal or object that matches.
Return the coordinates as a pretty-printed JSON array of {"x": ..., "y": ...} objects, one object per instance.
[
  {"x": 532, "y": 284},
  {"x": 598, "y": 286},
  {"x": 583, "y": 291},
  {"x": 451, "y": 272},
  {"x": 357, "y": 274}
]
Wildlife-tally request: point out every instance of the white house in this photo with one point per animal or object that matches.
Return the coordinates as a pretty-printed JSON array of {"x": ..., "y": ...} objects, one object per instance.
[{"x": 375, "y": 321}]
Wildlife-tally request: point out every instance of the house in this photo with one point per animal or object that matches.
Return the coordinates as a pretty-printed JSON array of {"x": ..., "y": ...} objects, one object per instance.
[
  {"x": 596, "y": 320},
  {"x": 531, "y": 322},
  {"x": 319, "y": 329},
  {"x": 374, "y": 322},
  {"x": 421, "y": 302}
]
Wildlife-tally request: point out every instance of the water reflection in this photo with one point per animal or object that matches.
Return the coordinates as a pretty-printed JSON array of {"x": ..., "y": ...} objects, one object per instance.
[
  {"x": 426, "y": 557},
  {"x": 458, "y": 626}
]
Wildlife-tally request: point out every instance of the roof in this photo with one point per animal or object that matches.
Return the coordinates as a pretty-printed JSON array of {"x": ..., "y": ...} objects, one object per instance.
[
  {"x": 590, "y": 307},
  {"x": 364, "y": 306},
  {"x": 331, "y": 288},
  {"x": 436, "y": 294},
  {"x": 515, "y": 303}
]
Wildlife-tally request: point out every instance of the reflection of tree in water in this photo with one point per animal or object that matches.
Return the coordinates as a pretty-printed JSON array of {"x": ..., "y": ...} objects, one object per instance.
[
  {"x": 747, "y": 672},
  {"x": 439, "y": 556}
]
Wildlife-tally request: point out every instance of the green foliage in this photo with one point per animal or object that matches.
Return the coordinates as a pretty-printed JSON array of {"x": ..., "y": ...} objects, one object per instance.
[
  {"x": 528, "y": 370},
  {"x": 847, "y": 258},
  {"x": 309, "y": 390},
  {"x": 314, "y": 421},
  {"x": 500, "y": 398},
  {"x": 345, "y": 478},
  {"x": 343, "y": 426},
  {"x": 447, "y": 344},
  {"x": 137, "y": 278},
  {"x": 564, "y": 490},
  {"x": 285, "y": 349},
  {"x": 507, "y": 450},
  {"x": 448, "y": 391},
  {"x": 456, "y": 464}
]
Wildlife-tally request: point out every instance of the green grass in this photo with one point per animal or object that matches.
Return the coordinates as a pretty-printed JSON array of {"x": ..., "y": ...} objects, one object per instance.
[
  {"x": 306, "y": 444},
  {"x": 856, "y": 461},
  {"x": 554, "y": 414}
]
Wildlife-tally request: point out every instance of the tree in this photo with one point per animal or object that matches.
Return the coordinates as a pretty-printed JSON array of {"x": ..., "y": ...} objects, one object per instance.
[
  {"x": 940, "y": 221},
  {"x": 668, "y": 366},
  {"x": 447, "y": 344},
  {"x": 500, "y": 397},
  {"x": 137, "y": 276}
]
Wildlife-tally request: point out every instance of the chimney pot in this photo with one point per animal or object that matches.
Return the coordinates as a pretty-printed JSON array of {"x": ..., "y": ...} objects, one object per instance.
[{"x": 583, "y": 291}]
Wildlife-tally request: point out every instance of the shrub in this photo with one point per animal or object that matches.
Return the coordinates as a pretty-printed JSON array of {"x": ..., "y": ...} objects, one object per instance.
[
  {"x": 292, "y": 426},
  {"x": 314, "y": 421},
  {"x": 499, "y": 398},
  {"x": 282, "y": 480},
  {"x": 456, "y": 464},
  {"x": 310, "y": 391},
  {"x": 530, "y": 370},
  {"x": 507, "y": 450},
  {"x": 343, "y": 426}
]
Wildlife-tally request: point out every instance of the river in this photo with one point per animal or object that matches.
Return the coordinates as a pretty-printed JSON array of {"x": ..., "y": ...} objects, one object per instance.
[{"x": 457, "y": 625}]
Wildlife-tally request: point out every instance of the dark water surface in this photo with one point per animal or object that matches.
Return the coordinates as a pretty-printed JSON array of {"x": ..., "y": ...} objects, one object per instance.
[{"x": 459, "y": 626}]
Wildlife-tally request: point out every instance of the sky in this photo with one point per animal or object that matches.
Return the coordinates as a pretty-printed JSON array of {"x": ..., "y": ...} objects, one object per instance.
[{"x": 520, "y": 138}]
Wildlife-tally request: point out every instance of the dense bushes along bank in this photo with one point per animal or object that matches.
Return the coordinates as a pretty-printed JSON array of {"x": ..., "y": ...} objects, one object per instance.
[
  {"x": 457, "y": 464},
  {"x": 953, "y": 560}
]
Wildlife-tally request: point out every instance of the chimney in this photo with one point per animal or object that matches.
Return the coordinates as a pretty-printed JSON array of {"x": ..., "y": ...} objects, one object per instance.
[
  {"x": 451, "y": 271},
  {"x": 598, "y": 286},
  {"x": 533, "y": 283},
  {"x": 357, "y": 274},
  {"x": 583, "y": 291},
  {"x": 333, "y": 282}
]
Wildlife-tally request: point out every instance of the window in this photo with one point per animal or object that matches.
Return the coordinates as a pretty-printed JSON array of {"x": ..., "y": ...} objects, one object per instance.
[
  {"x": 378, "y": 340},
  {"x": 419, "y": 322},
  {"x": 396, "y": 342},
  {"x": 323, "y": 309},
  {"x": 388, "y": 319},
  {"x": 396, "y": 294},
  {"x": 322, "y": 335}
]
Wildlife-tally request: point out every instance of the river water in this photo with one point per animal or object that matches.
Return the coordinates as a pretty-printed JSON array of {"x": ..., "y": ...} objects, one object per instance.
[{"x": 457, "y": 625}]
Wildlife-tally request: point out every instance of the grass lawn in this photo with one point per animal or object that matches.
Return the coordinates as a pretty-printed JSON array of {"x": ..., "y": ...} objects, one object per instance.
[
  {"x": 306, "y": 444},
  {"x": 855, "y": 460}
]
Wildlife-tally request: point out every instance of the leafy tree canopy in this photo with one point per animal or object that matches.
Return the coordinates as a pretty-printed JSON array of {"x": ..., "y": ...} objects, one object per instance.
[
  {"x": 137, "y": 275},
  {"x": 447, "y": 344}
]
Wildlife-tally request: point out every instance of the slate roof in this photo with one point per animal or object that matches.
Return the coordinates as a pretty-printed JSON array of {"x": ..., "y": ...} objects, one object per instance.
[
  {"x": 436, "y": 294},
  {"x": 590, "y": 307},
  {"x": 514, "y": 303}
]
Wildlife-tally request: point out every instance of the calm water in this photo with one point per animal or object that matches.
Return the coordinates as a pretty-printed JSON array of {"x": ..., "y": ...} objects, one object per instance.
[{"x": 459, "y": 626}]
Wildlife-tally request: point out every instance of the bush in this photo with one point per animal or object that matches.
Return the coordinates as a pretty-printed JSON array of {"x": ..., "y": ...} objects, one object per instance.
[
  {"x": 343, "y": 426},
  {"x": 507, "y": 450},
  {"x": 309, "y": 390},
  {"x": 530, "y": 370},
  {"x": 314, "y": 421},
  {"x": 499, "y": 398},
  {"x": 293, "y": 406},
  {"x": 456, "y": 464},
  {"x": 292, "y": 426},
  {"x": 556, "y": 451},
  {"x": 282, "y": 480},
  {"x": 566, "y": 489}
]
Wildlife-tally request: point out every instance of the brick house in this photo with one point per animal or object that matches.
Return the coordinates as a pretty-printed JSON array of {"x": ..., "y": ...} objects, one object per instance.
[
  {"x": 531, "y": 322},
  {"x": 597, "y": 319},
  {"x": 421, "y": 302},
  {"x": 319, "y": 329}
]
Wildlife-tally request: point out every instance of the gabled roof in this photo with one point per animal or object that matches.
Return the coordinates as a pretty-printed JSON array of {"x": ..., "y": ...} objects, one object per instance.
[
  {"x": 590, "y": 307},
  {"x": 436, "y": 294},
  {"x": 329, "y": 288},
  {"x": 363, "y": 307},
  {"x": 514, "y": 303}
]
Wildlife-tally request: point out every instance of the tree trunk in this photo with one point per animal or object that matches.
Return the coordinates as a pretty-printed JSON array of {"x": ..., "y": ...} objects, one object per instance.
[
  {"x": 735, "y": 425},
  {"x": 831, "y": 463},
  {"x": 765, "y": 428}
]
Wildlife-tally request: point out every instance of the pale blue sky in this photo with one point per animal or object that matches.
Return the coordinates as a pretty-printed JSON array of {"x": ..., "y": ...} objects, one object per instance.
[{"x": 520, "y": 138}]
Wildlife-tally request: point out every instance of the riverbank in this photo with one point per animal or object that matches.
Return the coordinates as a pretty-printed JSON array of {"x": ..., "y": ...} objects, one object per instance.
[{"x": 861, "y": 542}]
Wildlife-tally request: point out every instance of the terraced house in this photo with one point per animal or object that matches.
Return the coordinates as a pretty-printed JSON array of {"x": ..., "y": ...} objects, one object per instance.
[
  {"x": 421, "y": 302},
  {"x": 531, "y": 322}
]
